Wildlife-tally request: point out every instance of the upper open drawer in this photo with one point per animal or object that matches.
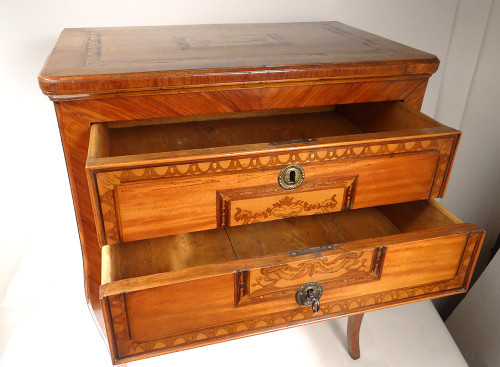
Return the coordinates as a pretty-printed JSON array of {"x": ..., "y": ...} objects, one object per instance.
[{"x": 161, "y": 177}]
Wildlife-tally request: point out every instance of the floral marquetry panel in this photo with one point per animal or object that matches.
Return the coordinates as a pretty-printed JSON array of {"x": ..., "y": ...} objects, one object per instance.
[
  {"x": 274, "y": 282},
  {"x": 265, "y": 203}
]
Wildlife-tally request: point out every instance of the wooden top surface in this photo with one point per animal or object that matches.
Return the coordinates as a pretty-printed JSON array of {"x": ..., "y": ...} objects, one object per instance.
[{"x": 131, "y": 58}]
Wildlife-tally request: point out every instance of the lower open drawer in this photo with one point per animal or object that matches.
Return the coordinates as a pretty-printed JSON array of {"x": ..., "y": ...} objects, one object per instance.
[{"x": 166, "y": 294}]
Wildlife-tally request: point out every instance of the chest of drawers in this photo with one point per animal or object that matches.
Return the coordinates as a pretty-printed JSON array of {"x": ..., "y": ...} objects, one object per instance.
[{"x": 230, "y": 180}]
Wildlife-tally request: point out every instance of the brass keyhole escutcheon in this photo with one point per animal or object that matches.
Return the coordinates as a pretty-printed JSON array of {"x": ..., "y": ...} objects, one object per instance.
[
  {"x": 309, "y": 295},
  {"x": 291, "y": 176}
]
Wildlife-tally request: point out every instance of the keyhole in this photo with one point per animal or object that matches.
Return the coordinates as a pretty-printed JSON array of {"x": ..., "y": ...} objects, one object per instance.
[{"x": 291, "y": 176}]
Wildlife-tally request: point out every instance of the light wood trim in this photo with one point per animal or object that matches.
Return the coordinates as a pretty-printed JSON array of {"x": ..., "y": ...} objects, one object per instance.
[
  {"x": 445, "y": 211},
  {"x": 393, "y": 115},
  {"x": 416, "y": 114},
  {"x": 419, "y": 215},
  {"x": 143, "y": 92},
  {"x": 98, "y": 143},
  {"x": 386, "y": 116},
  {"x": 98, "y": 148},
  {"x": 187, "y": 156},
  {"x": 109, "y": 269}
]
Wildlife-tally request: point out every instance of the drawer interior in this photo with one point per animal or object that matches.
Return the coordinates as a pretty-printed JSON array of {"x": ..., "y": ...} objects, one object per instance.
[
  {"x": 232, "y": 245},
  {"x": 275, "y": 128}
]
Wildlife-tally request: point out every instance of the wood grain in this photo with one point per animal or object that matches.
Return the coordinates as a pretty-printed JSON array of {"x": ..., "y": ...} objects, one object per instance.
[
  {"x": 242, "y": 98},
  {"x": 282, "y": 281},
  {"x": 188, "y": 274},
  {"x": 277, "y": 129},
  {"x": 153, "y": 313},
  {"x": 145, "y": 202},
  {"x": 362, "y": 226},
  {"x": 353, "y": 327},
  {"x": 165, "y": 254},
  {"x": 364, "y": 223},
  {"x": 96, "y": 60},
  {"x": 414, "y": 268},
  {"x": 186, "y": 75},
  {"x": 283, "y": 236},
  {"x": 418, "y": 215},
  {"x": 265, "y": 203},
  {"x": 75, "y": 134}
]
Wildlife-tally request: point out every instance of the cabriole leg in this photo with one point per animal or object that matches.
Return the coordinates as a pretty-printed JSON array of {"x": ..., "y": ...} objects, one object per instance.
[{"x": 353, "y": 326}]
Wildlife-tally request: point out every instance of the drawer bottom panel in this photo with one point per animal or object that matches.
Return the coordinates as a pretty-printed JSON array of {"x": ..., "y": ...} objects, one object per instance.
[{"x": 204, "y": 311}]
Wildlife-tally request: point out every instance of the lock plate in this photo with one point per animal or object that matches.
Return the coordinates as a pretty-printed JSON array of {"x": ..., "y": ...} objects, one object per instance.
[
  {"x": 302, "y": 296},
  {"x": 291, "y": 176}
]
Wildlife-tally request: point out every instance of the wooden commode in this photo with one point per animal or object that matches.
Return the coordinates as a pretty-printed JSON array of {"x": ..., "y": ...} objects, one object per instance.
[{"x": 253, "y": 177}]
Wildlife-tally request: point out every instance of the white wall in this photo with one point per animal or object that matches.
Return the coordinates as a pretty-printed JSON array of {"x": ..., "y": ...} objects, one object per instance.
[
  {"x": 473, "y": 192},
  {"x": 475, "y": 323},
  {"x": 40, "y": 259}
]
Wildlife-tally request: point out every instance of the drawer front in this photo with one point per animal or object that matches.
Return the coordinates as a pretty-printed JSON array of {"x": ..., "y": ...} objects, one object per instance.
[
  {"x": 140, "y": 203},
  {"x": 179, "y": 316}
]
